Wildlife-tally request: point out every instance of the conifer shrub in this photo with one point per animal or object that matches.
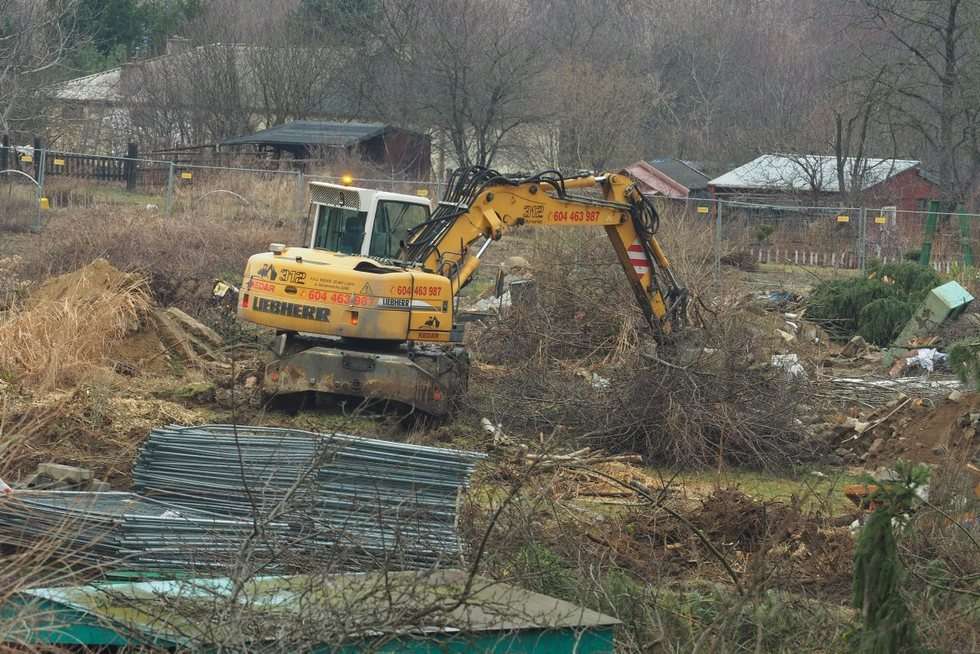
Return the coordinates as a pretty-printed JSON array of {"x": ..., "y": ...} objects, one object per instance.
[
  {"x": 881, "y": 320},
  {"x": 875, "y": 306}
]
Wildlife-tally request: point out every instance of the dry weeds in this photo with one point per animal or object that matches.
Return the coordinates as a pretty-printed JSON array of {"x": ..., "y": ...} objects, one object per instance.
[
  {"x": 68, "y": 326},
  {"x": 578, "y": 361},
  {"x": 179, "y": 255}
]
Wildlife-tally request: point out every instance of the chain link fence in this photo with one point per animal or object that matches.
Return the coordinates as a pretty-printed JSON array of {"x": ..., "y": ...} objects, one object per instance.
[
  {"x": 750, "y": 235},
  {"x": 33, "y": 181},
  {"x": 747, "y": 234}
]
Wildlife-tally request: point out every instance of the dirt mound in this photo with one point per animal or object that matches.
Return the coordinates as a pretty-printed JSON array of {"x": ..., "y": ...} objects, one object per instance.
[
  {"x": 150, "y": 339},
  {"x": 85, "y": 284},
  {"x": 913, "y": 429},
  {"x": 798, "y": 551}
]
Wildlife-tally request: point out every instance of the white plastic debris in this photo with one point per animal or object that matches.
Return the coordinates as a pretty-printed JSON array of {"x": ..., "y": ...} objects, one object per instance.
[
  {"x": 790, "y": 363},
  {"x": 926, "y": 358},
  {"x": 4, "y": 488},
  {"x": 595, "y": 380},
  {"x": 491, "y": 303},
  {"x": 599, "y": 382},
  {"x": 490, "y": 428},
  {"x": 170, "y": 513}
]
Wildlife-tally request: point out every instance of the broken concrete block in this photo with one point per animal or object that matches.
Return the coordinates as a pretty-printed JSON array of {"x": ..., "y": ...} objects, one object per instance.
[
  {"x": 196, "y": 327},
  {"x": 63, "y": 473},
  {"x": 855, "y": 347},
  {"x": 786, "y": 336}
]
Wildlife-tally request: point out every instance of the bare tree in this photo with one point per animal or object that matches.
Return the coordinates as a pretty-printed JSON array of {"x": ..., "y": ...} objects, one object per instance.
[
  {"x": 931, "y": 53},
  {"x": 34, "y": 39},
  {"x": 196, "y": 96},
  {"x": 738, "y": 76},
  {"x": 468, "y": 70},
  {"x": 293, "y": 79},
  {"x": 604, "y": 111},
  {"x": 242, "y": 67},
  {"x": 857, "y": 120}
]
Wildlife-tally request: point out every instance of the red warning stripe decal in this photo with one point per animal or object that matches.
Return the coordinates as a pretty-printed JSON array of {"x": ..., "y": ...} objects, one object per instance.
[{"x": 638, "y": 257}]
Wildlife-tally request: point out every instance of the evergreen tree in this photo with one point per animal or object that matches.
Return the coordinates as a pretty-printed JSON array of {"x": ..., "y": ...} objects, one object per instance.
[
  {"x": 112, "y": 31},
  {"x": 887, "y": 626}
]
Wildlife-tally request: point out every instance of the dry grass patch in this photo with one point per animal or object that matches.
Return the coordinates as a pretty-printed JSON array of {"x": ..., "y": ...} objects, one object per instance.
[
  {"x": 68, "y": 326},
  {"x": 179, "y": 255}
]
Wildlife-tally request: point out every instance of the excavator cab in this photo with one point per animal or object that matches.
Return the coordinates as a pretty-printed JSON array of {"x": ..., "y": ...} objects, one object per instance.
[{"x": 364, "y": 222}]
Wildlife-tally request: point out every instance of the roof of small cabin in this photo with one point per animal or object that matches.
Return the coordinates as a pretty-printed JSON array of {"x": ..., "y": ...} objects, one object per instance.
[
  {"x": 682, "y": 172},
  {"x": 147, "y": 607},
  {"x": 781, "y": 172},
  {"x": 312, "y": 132}
]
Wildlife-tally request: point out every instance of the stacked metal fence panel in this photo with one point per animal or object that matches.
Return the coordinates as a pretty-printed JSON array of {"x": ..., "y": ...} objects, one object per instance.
[
  {"x": 357, "y": 502},
  {"x": 125, "y": 530}
]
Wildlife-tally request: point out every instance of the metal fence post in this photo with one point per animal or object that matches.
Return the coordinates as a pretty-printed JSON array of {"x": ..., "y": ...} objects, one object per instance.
[
  {"x": 40, "y": 156},
  {"x": 168, "y": 200},
  {"x": 863, "y": 238},
  {"x": 300, "y": 192},
  {"x": 129, "y": 167},
  {"x": 966, "y": 248},
  {"x": 718, "y": 208}
]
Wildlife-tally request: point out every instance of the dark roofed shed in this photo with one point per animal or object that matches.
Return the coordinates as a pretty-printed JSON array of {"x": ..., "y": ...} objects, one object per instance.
[{"x": 403, "y": 152}]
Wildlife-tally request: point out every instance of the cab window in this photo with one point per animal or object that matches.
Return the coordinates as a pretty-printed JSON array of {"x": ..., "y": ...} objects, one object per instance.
[
  {"x": 392, "y": 222},
  {"x": 340, "y": 230}
]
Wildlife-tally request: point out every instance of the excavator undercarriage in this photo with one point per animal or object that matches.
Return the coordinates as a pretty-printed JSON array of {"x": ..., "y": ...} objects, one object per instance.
[{"x": 423, "y": 377}]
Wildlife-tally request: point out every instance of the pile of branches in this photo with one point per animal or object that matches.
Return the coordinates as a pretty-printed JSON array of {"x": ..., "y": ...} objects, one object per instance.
[{"x": 578, "y": 361}]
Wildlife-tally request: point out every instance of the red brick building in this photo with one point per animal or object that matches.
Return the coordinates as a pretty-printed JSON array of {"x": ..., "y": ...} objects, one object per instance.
[{"x": 811, "y": 180}]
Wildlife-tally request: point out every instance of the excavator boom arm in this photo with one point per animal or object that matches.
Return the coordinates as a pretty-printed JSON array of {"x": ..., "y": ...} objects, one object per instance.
[{"x": 481, "y": 204}]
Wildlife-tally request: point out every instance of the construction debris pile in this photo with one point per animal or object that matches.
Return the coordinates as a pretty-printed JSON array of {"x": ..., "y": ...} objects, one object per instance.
[
  {"x": 915, "y": 428},
  {"x": 205, "y": 492}
]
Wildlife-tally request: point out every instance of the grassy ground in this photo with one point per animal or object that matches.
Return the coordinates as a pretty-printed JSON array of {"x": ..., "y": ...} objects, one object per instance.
[{"x": 816, "y": 490}]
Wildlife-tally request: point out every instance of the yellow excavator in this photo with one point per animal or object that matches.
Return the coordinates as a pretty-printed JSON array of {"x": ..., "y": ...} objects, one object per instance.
[{"x": 369, "y": 307}]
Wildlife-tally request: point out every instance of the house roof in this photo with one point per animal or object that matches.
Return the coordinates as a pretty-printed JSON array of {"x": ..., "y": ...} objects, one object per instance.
[
  {"x": 99, "y": 87},
  {"x": 682, "y": 172},
  {"x": 311, "y": 132},
  {"x": 108, "y": 85},
  {"x": 781, "y": 172},
  {"x": 147, "y": 608}
]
